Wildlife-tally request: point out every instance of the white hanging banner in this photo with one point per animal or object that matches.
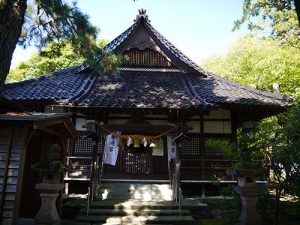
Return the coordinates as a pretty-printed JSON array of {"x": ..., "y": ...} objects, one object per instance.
[
  {"x": 111, "y": 149},
  {"x": 171, "y": 148}
]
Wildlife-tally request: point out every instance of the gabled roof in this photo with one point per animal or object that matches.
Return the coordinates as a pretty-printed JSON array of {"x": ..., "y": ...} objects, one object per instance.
[{"x": 168, "y": 48}]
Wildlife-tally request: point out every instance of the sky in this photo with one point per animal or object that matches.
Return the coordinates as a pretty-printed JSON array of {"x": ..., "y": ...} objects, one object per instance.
[{"x": 199, "y": 28}]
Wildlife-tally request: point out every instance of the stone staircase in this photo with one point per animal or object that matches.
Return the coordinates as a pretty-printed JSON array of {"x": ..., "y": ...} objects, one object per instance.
[{"x": 134, "y": 204}]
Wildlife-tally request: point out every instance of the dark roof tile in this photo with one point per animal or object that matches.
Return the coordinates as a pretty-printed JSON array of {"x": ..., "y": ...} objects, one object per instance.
[{"x": 139, "y": 90}]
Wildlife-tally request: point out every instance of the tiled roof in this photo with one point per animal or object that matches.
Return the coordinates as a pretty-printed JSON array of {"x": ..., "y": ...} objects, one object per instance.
[
  {"x": 138, "y": 90},
  {"x": 221, "y": 91},
  {"x": 180, "y": 88},
  {"x": 63, "y": 84}
]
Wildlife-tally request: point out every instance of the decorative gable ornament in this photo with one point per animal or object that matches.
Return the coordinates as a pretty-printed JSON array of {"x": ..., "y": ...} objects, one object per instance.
[{"x": 142, "y": 14}]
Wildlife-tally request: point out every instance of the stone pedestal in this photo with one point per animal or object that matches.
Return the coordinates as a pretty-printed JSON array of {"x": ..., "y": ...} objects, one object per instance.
[
  {"x": 249, "y": 197},
  {"x": 47, "y": 214},
  {"x": 249, "y": 192}
]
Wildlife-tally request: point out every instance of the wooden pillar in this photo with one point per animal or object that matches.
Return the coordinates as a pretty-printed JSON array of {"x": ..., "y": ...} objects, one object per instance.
[
  {"x": 202, "y": 147},
  {"x": 94, "y": 175},
  {"x": 234, "y": 118}
]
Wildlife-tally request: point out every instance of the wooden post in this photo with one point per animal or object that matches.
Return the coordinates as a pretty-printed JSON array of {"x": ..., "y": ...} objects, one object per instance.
[
  {"x": 202, "y": 147},
  {"x": 94, "y": 175}
]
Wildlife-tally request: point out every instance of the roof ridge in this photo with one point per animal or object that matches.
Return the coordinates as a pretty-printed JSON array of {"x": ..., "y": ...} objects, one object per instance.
[{"x": 192, "y": 91}]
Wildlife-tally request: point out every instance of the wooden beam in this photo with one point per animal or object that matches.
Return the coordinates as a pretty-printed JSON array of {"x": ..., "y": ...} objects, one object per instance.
[
  {"x": 46, "y": 123},
  {"x": 51, "y": 131},
  {"x": 70, "y": 127}
]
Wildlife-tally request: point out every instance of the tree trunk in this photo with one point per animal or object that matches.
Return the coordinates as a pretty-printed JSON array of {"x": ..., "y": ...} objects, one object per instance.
[
  {"x": 11, "y": 20},
  {"x": 297, "y": 4}
]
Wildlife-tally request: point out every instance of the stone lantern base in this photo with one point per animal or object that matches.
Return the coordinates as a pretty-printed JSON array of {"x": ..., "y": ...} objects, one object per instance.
[
  {"x": 249, "y": 197},
  {"x": 47, "y": 214}
]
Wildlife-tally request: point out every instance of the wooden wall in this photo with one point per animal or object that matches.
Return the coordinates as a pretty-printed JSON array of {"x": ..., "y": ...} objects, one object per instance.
[{"x": 12, "y": 142}]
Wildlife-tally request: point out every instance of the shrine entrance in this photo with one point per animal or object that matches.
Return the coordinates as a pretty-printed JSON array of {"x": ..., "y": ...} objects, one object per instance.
[
  {"x": 149, "y": 163},
  {"x": 140, "y": 160}
]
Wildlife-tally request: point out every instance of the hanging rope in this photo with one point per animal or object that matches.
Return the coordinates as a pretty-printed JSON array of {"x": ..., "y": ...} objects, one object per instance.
[{"x": 139, "y": 136}]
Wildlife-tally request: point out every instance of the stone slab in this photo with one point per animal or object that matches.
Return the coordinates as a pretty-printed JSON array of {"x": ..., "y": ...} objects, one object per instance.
[
  {"x": 117, "y": 212},
  {"x": 134, "y": 219}
]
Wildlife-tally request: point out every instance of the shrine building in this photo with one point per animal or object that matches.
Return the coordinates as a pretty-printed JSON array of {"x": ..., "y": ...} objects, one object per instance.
[{"x": 159, "y": 94}]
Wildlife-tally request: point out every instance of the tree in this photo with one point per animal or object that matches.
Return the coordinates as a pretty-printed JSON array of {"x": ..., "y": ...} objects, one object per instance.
[
  {"x": 276, "y": 19},
  {"x": 54, "y": 56},
  {"x": 278, "y": 138},
  {"x": 259, "y": 64},
  {"x": 45, "y": 21}
]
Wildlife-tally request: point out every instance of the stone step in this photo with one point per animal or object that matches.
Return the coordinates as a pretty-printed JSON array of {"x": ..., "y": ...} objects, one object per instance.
[
  {"x": 143, "y": 192},
  {"x": 72, "y": 222},
  {"x": 132, "y": 205},
  {"x": 147, "y": 212},
  {"x": 117, "y": 220},
  {"x": 129, "y": 204}
]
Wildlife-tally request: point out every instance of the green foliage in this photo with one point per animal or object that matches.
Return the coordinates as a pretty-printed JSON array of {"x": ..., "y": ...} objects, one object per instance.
[
  {"x": 110, "y": 63},
  {"x": 253, "y": 167},
  {"x": 279, "y": 140},
  {"x": 259, "y": 64},
  {"x": 286, "y": 155},
  {"x": 228, "y": 149},
  {"x": 47, "y": 22},
  {"x": 51, "y": 20},
  {"x": 54, "y": 56},
  {"x": 275, "y": 19}
]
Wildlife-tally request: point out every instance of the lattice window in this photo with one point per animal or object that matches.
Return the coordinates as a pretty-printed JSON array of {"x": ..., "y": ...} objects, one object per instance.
[
  {"x": 146, "y": 58},
  {"x": 83, "y": 146},
  {"x": 191, "y": 147}
]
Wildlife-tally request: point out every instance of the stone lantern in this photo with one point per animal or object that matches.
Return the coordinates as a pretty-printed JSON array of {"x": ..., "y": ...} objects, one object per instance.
[
  {"x": 51, "y": 169},
  {"x": 246, "y": 172}
]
